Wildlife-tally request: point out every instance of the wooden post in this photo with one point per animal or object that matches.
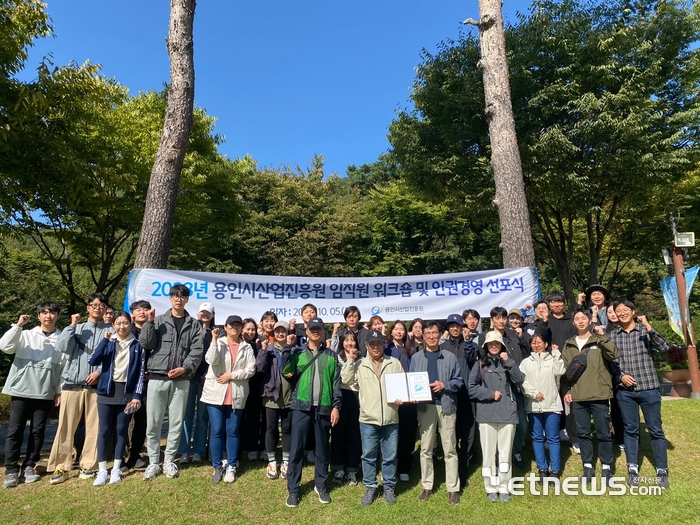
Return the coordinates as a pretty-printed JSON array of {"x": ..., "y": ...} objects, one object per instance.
[{"x": 679, "y": 268}]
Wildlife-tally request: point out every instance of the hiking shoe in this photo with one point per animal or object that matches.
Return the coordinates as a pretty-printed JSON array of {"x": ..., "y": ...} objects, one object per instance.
[
  {"x": 272, "y": 470},
  {"x": 283, "y": 469},
  {"x": 493, "y": 497},
  {"x": 310, "y": 456},
  {"x": 253, "y": 455},
  {"x": 218, "y": 474},
  {"x": 170, "y": 470},
  {"x": 152, "y": 471},
  {"x": 389, "y": 495},
  {"x": 11, "y": 480},
  {"x": 230, "y": 476},
  {"x": 184, "y": 460},
  {"x": 505, "y": 497},
  {"x": 323, "y": 495},
  {"x": 632, "y": 478},
  {"x": 588, "y": 473},
  {"x": 425, "y": 495},
  {"x": 453, "y": 498},
  {"x": 403, "y": 477},
  {"x": 116, "y": 476},
  {"x": 59, "y": 476},
  {"x": 292, "y": 500},
  {"x": 368, "y": 498},
  {"x": 196, "y": 459},
  {"x": 30, "y": 475},
  {"x": 662, "y": 478},
  {"x": 518, "y": 460},
  {"x": 100, "y": 479},
  {"x": 338, "y": 477},
  {"x": 352, "y": 478},
  {"x": 86, "y": 474}
]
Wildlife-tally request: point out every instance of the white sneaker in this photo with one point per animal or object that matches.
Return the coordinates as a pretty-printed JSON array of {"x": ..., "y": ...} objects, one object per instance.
[
  {"x": 152, "y": 471},
  {"x": 100, "y": 479},
  {"x": 253, "y": 455},
  {"x": 230, "y": 476},
  {"x": 310, "y": 457},
  {"x": 116, "y": 476},
  {"x": 576, "y": 448},
  {"x": 403, "y": 477},
  {"x": 196, "y": 458},
  {"x": 170, "y": 469},
  {"x": 338, "y": 477}
]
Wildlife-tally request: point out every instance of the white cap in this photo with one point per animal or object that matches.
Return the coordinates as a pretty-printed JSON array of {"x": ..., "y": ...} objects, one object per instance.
[{"x": 209, "y": 307}]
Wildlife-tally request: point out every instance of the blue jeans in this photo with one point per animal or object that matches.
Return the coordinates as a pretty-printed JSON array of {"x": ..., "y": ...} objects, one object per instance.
[
  {"x": 224, "y": 426},
  {"x": 201, "y": 425},
  {"x": 650, "y": 402},
  {"x": 546, "y": 423},
  {"x": 374, "y": 436}
]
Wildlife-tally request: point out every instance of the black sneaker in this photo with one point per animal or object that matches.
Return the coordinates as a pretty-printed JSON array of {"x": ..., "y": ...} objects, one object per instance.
[
  {"x": 370, "y": 494},
  {"x": 141, "y": 463},
  {"x": 662, "y": 478},
  {"x": 292, "y": 500},
  {"x": 218, "y": 474},
  {"x": 323, "y": 495},
  {"x": 389, "y": 495},
  {"x": 632, "y": 478},
  {"x": 588, "y": 473},
  {"x": 543, "y": 473},
  {"x": 606, "y": 475},
  {"x": 518, "y": 460}
]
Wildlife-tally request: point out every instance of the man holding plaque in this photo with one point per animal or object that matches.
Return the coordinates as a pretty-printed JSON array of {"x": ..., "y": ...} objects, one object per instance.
[
  {"x": 439, "y": 414},
  {"x": 379, "y": 416}
]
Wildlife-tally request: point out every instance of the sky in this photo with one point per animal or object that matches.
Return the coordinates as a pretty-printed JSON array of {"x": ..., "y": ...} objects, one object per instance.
[{"x": 285, "y": 79}]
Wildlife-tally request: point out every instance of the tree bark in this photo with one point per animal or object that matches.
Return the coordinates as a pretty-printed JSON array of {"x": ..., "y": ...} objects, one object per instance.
[
  {"x": 516, "y": 237},
  {"x": 159, "y": 215}
]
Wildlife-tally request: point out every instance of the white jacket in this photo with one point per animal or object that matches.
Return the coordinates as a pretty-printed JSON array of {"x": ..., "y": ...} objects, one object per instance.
[
  {"x": 219, "y": 358},
  {"x": 36, "y": 369},
  {"x": 541, "y": 374}
]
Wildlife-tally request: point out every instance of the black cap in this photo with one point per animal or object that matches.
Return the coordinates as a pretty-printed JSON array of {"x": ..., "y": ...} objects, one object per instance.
[
  {"x": 315, "y": 322},
  {"x": 374, "y": 335},
  {"x": 454, "y": 318},
  {"x": 234, "y": 319},
  {"x": 597, "y": 288}
]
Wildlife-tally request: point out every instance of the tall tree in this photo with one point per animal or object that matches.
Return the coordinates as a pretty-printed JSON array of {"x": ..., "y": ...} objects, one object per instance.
[
  {"x": 159, "y": 215},
  {"x": 516, "y": 239}
]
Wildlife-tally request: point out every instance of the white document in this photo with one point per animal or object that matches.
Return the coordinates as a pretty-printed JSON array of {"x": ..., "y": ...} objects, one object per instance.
[{"x": 411, "y": 386}]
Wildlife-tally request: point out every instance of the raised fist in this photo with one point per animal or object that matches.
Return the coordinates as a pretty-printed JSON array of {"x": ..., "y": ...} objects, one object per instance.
[
  {"x": 152, "y": 314},
  {"x": 108, "y": 335},
  {"x": 291, "y": 339},
  {"x": 215, "y": 333},
  {"x": 75, "y": 319},
  {"x": 23, "y": 319}
]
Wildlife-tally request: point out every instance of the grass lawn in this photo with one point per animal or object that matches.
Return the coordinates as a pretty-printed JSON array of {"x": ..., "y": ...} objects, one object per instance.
[{"x": 255, "y": 499}]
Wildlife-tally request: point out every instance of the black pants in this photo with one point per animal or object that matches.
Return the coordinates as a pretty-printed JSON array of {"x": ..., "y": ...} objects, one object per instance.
[
  {"x": 253, "y": 425},
  {"x": 138, "y": 433},
  {"x": 598, "y": 410},
  {"x": 23, "y": 409},
  {"x": 346, "y": 443},
  {"x": 408, "y": 425},
  {"x": 111, "y": 417},
  {"x": 272, "y": 415},
  {"x": 616, "y": 418},
  {"x": 302, "y": 420},
  {"x": 466, "y": 427}
]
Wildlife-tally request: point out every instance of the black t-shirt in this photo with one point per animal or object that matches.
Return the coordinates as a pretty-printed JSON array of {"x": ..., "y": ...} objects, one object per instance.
[{"x": 179, "y": 322}]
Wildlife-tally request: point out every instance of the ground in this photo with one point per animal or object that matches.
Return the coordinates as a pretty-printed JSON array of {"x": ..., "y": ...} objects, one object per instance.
[{"x": 255, "y": 499}]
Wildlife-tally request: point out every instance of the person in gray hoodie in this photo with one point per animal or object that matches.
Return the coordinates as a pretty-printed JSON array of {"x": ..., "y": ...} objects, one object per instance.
[
  {"x": 33, "y": 383},
  {"x": 79, "y": 391},
  {"x": 175, "y": 345},
  {"x": 492, "y": 383}
]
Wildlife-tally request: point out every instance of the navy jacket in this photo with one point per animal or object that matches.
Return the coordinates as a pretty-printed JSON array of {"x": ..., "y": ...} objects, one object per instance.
[{"x": 104, "y": 355}]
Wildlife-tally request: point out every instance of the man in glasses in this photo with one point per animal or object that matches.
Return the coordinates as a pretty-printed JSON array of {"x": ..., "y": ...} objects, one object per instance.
[{"x": 78, "y": 391}]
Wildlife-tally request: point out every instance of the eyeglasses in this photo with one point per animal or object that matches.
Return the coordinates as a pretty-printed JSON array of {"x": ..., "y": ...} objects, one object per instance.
[{"x": 97, "y": 306}]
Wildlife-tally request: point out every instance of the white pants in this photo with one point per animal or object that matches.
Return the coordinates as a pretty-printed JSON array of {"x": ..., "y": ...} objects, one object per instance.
[{"x": 496, "y": 437}]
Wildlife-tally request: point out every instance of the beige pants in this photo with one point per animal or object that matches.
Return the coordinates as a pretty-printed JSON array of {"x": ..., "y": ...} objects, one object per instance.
[
  {"x": 496, "y": 437},
  {"x": 75, "y": 403},
  {"x": 430, "y": 422}
]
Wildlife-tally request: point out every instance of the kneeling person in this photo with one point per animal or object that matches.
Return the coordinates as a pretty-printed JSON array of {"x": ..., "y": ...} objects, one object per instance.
[{"x": 379, "y": 418}]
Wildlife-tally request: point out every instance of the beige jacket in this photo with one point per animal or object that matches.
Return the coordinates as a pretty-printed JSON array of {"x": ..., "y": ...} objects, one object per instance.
[
  {"x": 375, "y": 408},
  {"x": 219, "y": 358},
  {"x": 542, "y": 372}
]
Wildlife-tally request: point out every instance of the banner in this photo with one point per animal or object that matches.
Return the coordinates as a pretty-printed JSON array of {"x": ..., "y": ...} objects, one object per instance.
[
  {"x": 669, "y": 288},
  {"x": 393, "y": 298}
]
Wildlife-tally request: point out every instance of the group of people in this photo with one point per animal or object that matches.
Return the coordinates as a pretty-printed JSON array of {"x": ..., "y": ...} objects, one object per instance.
[{"x": 240, "y": 386}]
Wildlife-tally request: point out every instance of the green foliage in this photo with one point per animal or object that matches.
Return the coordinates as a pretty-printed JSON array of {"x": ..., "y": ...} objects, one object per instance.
[{"x": 21, "y": 22}]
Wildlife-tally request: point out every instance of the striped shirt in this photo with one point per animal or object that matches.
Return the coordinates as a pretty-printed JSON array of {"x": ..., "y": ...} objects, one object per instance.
[{"x": 635, "y": 349}]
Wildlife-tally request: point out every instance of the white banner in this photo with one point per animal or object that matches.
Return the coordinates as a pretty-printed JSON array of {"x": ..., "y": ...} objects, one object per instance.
[{"x": 405, "y": 297}]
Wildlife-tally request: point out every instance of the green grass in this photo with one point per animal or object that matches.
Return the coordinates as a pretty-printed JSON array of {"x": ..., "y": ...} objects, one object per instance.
[{"x": 254, "y": 499}]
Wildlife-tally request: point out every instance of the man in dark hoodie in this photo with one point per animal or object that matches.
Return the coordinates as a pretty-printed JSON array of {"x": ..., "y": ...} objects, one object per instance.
[{"x": 175, "y": 341}]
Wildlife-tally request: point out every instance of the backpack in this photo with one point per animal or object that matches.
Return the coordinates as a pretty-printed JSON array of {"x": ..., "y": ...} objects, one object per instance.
[{"x": 577, "y": 366}]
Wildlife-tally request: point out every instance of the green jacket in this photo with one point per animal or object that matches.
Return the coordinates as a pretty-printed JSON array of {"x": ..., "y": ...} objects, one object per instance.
[
  {"x": 596, "y": 382},
  {"x": 293, "y": 362}
]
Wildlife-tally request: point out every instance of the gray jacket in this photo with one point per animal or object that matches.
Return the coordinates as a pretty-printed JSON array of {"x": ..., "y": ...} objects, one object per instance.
[
  {"x": 78, "y": 343},
  {"x": 167, "y": 350},
  {"x": 448, "y": 373},
  {"x": 496, "y": 376}
]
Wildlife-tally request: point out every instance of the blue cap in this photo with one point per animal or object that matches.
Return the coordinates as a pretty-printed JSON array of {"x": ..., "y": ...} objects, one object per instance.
[{"x": 454, "y": 318}]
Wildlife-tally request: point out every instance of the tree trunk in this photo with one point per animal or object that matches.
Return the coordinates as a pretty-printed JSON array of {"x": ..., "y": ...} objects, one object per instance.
[
  {"x": 159, "y": 215},
  {"x": 516, "y": 237}
]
